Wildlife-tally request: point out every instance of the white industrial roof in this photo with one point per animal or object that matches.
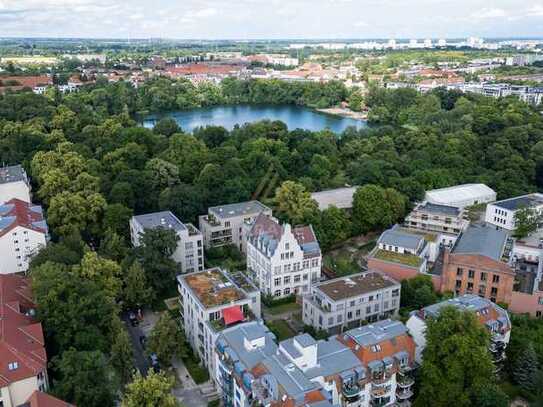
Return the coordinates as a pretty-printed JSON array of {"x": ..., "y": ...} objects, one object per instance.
[
  {"x": 458, "y": 193},
  {"x": 341, "y": 198}
]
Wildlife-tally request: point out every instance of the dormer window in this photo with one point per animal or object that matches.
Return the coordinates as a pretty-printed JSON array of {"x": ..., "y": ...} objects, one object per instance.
[
  {"x": 376, "y": 348},
  {"x": 13, "y": 366}
]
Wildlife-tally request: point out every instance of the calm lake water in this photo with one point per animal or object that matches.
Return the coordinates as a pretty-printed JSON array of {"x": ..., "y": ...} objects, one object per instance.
[{"x": 228, "y": 116}]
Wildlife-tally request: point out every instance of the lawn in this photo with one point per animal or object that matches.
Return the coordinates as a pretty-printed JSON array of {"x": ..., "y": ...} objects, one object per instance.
[
  {"x": 281, "y": 329},
  {"x": 407, "y": 259},
  {"x": 282, "y": 308},
  {"x": 198, "y": 373},
  {"x": 341, "y": 263}
]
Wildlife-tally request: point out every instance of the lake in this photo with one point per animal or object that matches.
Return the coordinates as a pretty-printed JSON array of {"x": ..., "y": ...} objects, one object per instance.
[{"x": 228, "y": 116}]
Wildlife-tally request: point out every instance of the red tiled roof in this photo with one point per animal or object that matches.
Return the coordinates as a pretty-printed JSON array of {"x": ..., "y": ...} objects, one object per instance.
[
  {"x": 25, "y": 81},
  {"x": 200, "y": 69},
  {"x": 23, "y": 214},
  {"x": 264, "y": 224},
  {"x": 21, "y": 338},
  {"x": 39, "y": 399}
]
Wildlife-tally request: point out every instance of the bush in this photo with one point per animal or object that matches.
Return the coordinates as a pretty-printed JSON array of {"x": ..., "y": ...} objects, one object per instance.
[{"x": 270, "y": 302}]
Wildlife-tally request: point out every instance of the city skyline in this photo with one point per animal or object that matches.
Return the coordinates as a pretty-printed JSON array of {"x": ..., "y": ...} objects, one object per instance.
[{"x": 272, "y": 19}]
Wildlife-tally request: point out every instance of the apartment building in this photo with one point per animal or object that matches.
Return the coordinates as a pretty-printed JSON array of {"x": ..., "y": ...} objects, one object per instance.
[
  {"x": 387, "y": 352},
  {"x": 189, "y": 253},
  {"x": 224, "y": 225},
  {"x": 282, "y": 260},
  {"x": 461, "y": 196},
  {"x": 23, "y": 367},
  {"x": 14, "y": 184},
  {"x": 502, "y": 213},
  {"x": 361, "y": 368},
  {"x": 493, "y": 317},
  {"x": 23, "y": 233},
  {"x": 448, "y": 221},
  {"x": 348, "y": 302},
  {"x": 211, "y": 301},
  {"x": 480, "y": 264}
]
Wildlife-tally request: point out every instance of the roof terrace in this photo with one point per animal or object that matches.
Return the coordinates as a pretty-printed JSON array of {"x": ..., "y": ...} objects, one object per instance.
[{"x": 213, "y": 288}]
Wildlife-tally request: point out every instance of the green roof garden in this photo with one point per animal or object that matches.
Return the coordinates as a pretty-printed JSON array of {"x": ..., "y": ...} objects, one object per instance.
[{"x": 407, "y": 259}]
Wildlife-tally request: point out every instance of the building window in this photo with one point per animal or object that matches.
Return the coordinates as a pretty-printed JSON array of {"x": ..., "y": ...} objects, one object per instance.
[
  {"x": 357, "y": 313},
  {"x": 495, "y": 278},
  {"x": 471, "y": 273},
  {"x": 297, "y": 278},
  {"x": 287, "y": 291},
  {"x": 286, "y": 280},
  {"x": 277, "y": 281},
  {"x": 227, "y": 224},
  {"x": 494, "y": 291},
  {"x": 470, "y": 286},
  {"x": 368, "y": 310},
  {"x": 339, "y": 318},
  {"x": 458, "y": 283},
  {"x": 287, "y": 246},
  {"x": 482, "y": 290},
  {"x": 277, "y": 293},
  {"x": 305, "y": 277},
  {"x": 396, "y": 292},
  {"x": 349, "y": 315},
  {"x": 331, "y": 321},
  {"x": 351, "y": 304},
  {"x": 459, "y": 271},
  {"x": 483, "y": 276}
]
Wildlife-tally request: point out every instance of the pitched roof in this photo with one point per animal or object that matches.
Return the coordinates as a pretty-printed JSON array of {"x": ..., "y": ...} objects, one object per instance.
[
  {"x": 15, "y": 213},
  {"x": 40, "y": 399},
  {"x": 458, "y": 193},
  {"x": 401, "y": 238},
  {"x": 13, "y": 173},
  {"x": 482, "y": 240},
  {"x": 22, "y": 351}
]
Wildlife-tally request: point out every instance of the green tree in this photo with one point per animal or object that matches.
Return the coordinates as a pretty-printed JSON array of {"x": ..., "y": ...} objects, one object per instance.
[
  {"x": 491, "y": 396},
  {"x": 418, "y": 292},
  {"x": 167, "y": 340},
  {"x": 456, "y": 361},
  {"x": 334, "y": 227},
  {"x": 157, "y": 247},
  {"x": 104, "y": 272},
  {"x": 166, "y": 126},
  {"x": 526, "y": 369},
  {"x": 153, "y": 390},
  {"x": 136, "y": 292},
  {"x": 84, "y": 378},
  {"x": 375, "y": 208},
  {"x": 122, "y": 355},
  {"x": 527, "y": 221},
  {"x": 295, "y": 203}
]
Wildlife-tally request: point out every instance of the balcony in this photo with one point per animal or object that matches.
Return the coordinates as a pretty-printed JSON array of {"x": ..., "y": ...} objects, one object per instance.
[
  {"x": 378, "y": 392},
  {"x": 192, "y": 229},
  {"x": 404, "y": 381},
  {"x": 404, "y": 394},
  {"x": 351, "y": 392},
  {"x": 212, "y": 221}
]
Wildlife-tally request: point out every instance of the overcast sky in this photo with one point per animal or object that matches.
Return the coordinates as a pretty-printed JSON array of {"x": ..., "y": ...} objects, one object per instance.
[{"x": 250, "y": 19}]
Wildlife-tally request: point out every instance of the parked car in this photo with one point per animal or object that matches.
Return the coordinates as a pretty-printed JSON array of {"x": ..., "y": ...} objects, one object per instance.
[
  {"x": 133, "y": 319},
  {"x": 154, "y": 362}
]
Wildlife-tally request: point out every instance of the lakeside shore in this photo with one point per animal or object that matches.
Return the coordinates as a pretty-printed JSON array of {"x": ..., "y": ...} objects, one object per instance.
[{"x": 338, "y": 111}]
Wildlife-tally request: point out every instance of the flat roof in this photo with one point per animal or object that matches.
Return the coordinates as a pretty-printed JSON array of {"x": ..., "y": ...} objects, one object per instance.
[
  {"x": 13, "y": 173},
  {"x": 484, "y": 240},
  {"x": 238, "y": 209},
  {"x": 525, "y": 201},
  {"x": 401, "y": 238},
  {"x": 377, "y": 332},
  {"x": 341, "y": 198},
  {"x": 213, "y": 288},
  {"x": 355, "y": 285},
  {"x": 165, "y": 219},
  {"x": 438, "y": 208},
  {"x": 458, "y": 193}
]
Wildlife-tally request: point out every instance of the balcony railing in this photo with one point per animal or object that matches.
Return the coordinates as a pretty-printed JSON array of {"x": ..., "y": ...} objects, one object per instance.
[{"x": 404, "y": 394}]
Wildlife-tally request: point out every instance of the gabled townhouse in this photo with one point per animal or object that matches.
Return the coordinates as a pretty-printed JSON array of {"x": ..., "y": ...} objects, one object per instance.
[
  {"x": 23, "y": 233},
  {"x": 23, "y": 361},
  {"x": 282, "y": 260},
  {"x": 14, "y": 184},
  {"x": 461, "y": 196},
  {"x": 189, "y": 253},
  {"x": 480, "y": 263},
  {"x": 348, "y": 302},
  {"x": 340, "y": 371},
  {"x": 502, "y": 213},
  {"x": 211, "y": 301},
  {"x": 224, "y": 225},
  {"x": 493, "y": 317}
]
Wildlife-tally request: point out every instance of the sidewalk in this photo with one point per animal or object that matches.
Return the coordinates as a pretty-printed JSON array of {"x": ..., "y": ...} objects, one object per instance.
[{"x": 183, "y": 375}]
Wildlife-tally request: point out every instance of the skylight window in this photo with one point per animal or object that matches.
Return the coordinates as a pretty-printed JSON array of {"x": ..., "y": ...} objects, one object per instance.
[{"x": 13, "y": 365}]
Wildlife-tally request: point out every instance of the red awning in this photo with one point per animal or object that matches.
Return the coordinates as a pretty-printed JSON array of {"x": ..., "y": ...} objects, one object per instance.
[{"x": 232, "y": 314}]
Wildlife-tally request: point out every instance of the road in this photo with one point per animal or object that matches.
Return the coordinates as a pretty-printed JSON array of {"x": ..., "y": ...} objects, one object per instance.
[{"x": 140, "y": 360}]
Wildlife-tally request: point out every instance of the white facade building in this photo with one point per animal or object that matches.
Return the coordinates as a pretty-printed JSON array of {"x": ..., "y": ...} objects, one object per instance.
[
  {"x": 189, "y": 253},
  {"x": 14, "y": 184},
  {"x": 282, "y": 260},
  {"x": 346, "y": 303},
  {"x": 502, "y": 213},
  {"x": 23, "y": 232},
  {"x": 461, "y": 196},
  {"x": 211, "y": 301},
  {"x": 223, "y": 225}
]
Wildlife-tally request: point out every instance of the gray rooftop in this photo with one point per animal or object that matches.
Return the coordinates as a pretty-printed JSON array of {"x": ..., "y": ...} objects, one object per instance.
[
  {"x": 378, "y": 332},
  {"x": 333, "y": 357},
  {"x": 483, "y": 240},
  {"x": 341, "y": 198},
  {"x": 164, "y": 219},
  {"x": 397, "y": 237},
  {"x": 14, "y": 173},
  {"x": 526, "y": 201},
  {"x": 439, "y": 209},
  {"x": 238, "y": 209}
]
